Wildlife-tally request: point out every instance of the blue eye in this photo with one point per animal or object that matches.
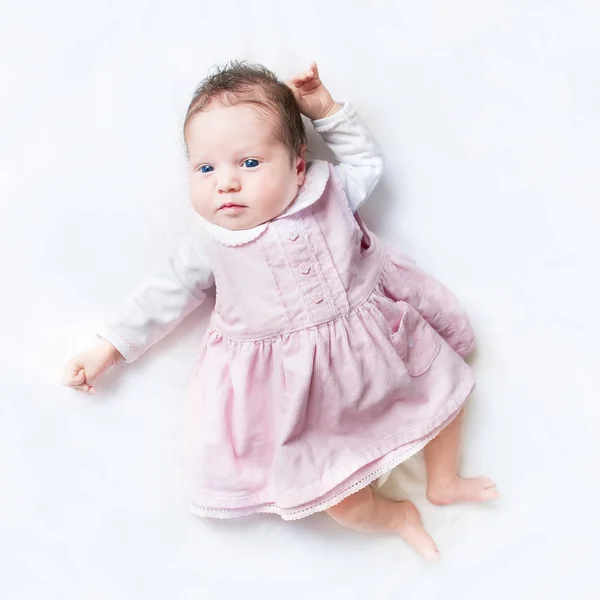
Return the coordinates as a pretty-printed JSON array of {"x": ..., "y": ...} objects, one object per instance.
[
  {"x": 206, "y": 169},
  {"x": 251, "y": 163}
]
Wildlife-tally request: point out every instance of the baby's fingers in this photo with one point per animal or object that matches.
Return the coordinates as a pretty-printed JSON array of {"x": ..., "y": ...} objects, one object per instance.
[
  {"x": 311, "y": 73},
  {"x": 73, "y": 375},
  {"x": 90, "y": 389},
  {"x": 300, "y": 80},
  {"x": 294, "y": 89}
]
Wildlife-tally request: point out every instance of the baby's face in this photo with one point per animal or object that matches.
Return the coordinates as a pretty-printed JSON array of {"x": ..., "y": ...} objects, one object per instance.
[{"x": 240, "y": 175}]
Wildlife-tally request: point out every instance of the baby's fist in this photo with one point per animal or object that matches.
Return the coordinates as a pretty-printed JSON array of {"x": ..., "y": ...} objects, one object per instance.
[
  {"x": 313, "y": 98},
  {"x": 82, "y": 370}
]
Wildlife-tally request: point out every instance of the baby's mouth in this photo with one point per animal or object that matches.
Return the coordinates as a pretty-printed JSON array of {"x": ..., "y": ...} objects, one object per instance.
[{"x": 231, "y": 207}]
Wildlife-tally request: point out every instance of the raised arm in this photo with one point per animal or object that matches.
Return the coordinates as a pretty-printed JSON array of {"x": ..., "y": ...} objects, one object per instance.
[{"x": 360, "y": 158}]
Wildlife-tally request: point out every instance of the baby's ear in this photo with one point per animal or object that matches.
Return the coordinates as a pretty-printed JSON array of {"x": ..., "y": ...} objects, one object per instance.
[{"x": 301, "y": 165}]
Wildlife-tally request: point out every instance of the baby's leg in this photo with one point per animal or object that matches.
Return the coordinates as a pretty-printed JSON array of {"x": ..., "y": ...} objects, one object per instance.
[
  {"x": 444, "y": 485},
  {"x": 368, "y": 512}
]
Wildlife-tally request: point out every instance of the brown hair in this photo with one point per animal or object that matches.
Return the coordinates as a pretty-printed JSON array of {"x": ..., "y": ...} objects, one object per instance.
[{"x": 239, "y": 83}]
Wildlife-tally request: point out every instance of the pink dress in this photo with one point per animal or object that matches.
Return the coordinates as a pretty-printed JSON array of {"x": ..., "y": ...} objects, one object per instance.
[{"x": 328, "y": 361}]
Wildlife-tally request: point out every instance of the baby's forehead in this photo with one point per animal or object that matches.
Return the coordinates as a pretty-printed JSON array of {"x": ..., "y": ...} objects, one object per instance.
[
  {"x": 251, "y": 110},
  {"x": 242, "y": 121}
]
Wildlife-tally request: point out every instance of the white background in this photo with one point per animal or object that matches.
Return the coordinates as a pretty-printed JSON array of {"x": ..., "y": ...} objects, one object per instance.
[{"x": 489, "y": 116}]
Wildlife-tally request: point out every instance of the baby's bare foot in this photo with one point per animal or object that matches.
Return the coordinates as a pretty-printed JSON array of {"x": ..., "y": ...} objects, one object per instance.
[
  {"x": 414, "y": 534},
  {"x": 468, "y": 489}
]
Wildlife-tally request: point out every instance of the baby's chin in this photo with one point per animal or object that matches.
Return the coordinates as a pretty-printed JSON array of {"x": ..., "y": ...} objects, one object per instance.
[
  {"x": 239, "y": 226},
  {"x": 240, "y": 219},
  {"x": 237, "y": 222}
]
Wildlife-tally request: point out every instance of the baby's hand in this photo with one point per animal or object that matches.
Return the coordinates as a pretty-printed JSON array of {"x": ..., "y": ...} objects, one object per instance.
[
  {"x": 84, "y": 369},
  {"x": 313, "y": 98}
]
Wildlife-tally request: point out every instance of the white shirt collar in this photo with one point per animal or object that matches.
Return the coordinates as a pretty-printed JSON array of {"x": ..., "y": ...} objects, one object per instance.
[{"x": 317, "y": 175}]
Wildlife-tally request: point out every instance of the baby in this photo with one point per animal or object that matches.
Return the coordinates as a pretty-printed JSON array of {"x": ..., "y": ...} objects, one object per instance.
[{"x": 329, "y": 359}]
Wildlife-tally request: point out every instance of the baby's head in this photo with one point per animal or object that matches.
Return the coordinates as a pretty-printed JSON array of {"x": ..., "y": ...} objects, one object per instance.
[{"x": 245, "y": 143}]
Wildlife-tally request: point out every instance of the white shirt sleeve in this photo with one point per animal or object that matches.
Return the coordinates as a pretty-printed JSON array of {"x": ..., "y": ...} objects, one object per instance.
[
  {"x": 360, "y": 157},
  {"x": 162, "y": 301}
]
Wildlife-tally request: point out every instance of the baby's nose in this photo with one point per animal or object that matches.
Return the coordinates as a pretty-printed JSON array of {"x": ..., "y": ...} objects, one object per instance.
[{"x": 228, "y": 183}]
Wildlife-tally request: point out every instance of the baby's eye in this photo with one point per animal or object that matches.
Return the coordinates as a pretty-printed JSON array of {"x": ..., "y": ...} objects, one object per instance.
[
  {"x": 206, "y": 169},
  {"x": 251, "y": 163}
]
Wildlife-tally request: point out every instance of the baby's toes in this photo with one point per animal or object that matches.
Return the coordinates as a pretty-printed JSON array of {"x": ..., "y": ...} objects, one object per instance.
[
  {"x": 491, "y": 494},
  {"x": 488, "y": 489}
]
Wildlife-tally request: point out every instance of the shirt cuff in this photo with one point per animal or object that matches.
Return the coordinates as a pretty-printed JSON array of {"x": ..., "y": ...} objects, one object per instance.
[
  {"x": 344, "y": 114},
  {"x": 125, "y": 347}
]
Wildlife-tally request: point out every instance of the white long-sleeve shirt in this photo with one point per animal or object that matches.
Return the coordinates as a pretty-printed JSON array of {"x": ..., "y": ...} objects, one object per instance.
[{"x": 181, "y": 282}]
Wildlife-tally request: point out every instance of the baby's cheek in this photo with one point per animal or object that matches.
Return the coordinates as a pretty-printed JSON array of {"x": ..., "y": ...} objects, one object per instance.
[
  {"x": 274, "y": 201},
  {"x": 199, "y": 201},
  {"x": 278, "y": 193}
]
